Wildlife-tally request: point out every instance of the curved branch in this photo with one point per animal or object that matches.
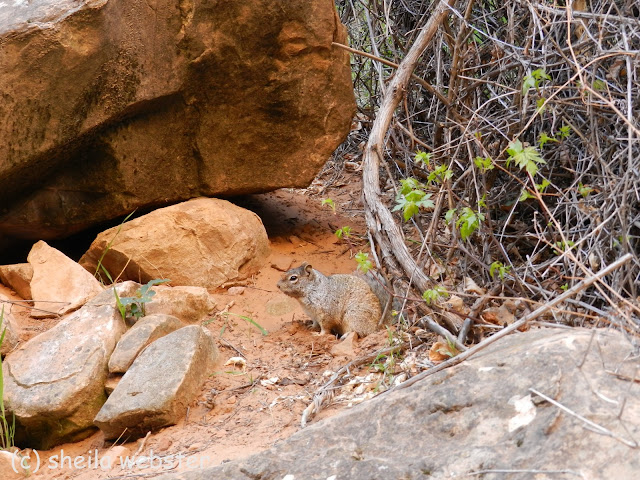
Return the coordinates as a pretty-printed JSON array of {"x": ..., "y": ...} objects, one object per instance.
[{"x": 379, "y": 218}]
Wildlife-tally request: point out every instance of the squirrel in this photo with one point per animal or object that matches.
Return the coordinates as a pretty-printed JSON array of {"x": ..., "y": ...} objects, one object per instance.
[{"x": 338, "y": 303}]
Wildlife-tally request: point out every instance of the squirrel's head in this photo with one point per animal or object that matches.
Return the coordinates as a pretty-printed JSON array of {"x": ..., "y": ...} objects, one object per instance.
[{"x": 295, "y": 282}]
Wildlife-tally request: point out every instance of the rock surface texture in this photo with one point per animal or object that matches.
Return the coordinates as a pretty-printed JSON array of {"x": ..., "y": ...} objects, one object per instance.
[
  {"x": 58, "y": 285},
  {"x": 112, "y": 105},
  {"x": 145, "y": 331},
  {"x": 479, "y": 416},
  {"x": 17, "y": 277},
  {"x": 54, "y": 383},
  {"x": 161, "y": 383},
  {"x": 203, "y": 242}
]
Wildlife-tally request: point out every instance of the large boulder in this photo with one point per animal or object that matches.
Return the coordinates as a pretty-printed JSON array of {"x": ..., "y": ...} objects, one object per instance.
[
  {"x": 480, "y": 416},
  {"x": 158, "y": 388},
  {"x": 54, "y": 383},
  {"x": 107, "y": 106},
  {"x": 203, "y": 242}
]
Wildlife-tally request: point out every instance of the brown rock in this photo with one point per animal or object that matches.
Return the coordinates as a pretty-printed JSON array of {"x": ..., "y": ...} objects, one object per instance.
[
  {"x": 203, "y": 242},
  {"x": 17, "y": 277},
  {"x": 189, "y": 304},
  {"x": 112, "y": 105},
  {"x": 59, "y": 285}
]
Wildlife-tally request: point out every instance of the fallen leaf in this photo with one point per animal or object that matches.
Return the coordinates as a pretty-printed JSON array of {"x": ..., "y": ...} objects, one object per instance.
[{"x": 472, "y": 287}]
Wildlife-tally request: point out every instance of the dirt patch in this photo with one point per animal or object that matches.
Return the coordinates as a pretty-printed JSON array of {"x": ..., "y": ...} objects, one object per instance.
[{"x": 262, "y": 383}]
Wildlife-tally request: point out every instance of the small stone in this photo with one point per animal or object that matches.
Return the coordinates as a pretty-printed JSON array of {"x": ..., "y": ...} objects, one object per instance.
[
  {"x": 235, "y": 290},
  {"x": 163, "y": 444},
  {"x": 232, "y": 400},
  {"x": 345, "y": 347},
  {"x": 195, "y": 446},
  {"x": 280, "y": 305},
  {"x": 189, "y": 304}
]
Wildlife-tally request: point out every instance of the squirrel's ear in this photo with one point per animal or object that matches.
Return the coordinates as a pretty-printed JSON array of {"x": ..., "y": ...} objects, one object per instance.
[{"x": 307, "y": 268}]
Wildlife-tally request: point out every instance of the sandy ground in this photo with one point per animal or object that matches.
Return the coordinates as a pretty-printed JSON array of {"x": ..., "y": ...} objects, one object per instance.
[{"x": 242, "y": 410}]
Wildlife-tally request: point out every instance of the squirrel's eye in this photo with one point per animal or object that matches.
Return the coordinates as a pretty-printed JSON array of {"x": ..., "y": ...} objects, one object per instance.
[{"x": 293, "y": 278}]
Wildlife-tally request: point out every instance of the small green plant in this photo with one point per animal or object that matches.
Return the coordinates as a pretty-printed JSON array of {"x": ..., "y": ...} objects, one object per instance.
[
  {"x": 527, "y": 158},
  {"x": 343, "y": 232},
  {"x": 135, "y": 306},
  {"x": 500, "y": 268},
  {"x": 543, "y": 139},
  {"x": 7, "y": 431},
  {"x": 540, "y": 106},
  {"x": 422, "y": 157},
  {"x": 364, "y": 264},
  {"x": 440, "y": 174},
  {"x": 584, "y": 190},
  {"x": 468, "y": 221},
  {"x": 563, "y": 132},
  {"x": 562, "y": 246},
  {"x": 434, "y": 294},
  {"x": 411, "y": 198},
  {"x": 483, "y": 164},
  {"x": 330, "y": 202},
  {"x": 534, "y": 79}
]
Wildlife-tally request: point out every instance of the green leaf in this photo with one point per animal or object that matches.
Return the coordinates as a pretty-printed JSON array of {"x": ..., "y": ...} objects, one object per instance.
[
  {"x": 541, "y": 187},
  {"x": 544, "y": 138},
  {"x": 423, "y": 157},
  {"x": 330, "y": 202},
  {"x": 584, "y": 190},
  {"x": 430, "y": 296},
  {"x": 526, "y": 158},
  {"x": 364, "y": 264},
  {"x": 449, "y": 215},
  {"x": 564, "y": 132},
  {"x": 484, "y": 164},
  {"x": 408, "y": 184},
  {"x": 468, "y": 222},
  {"x": 525, "y": 195},
  {"x": 528, "y": 83}
]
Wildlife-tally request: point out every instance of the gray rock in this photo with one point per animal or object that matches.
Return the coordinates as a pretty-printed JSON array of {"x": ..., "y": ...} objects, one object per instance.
[
  {"x": 145, "y": 331},
  {"x": 112, "y": 105},
  {"x": 160, "y": 385},
  {"x": 54, "y": 383},
  {"x": 479, "y": 416}
]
